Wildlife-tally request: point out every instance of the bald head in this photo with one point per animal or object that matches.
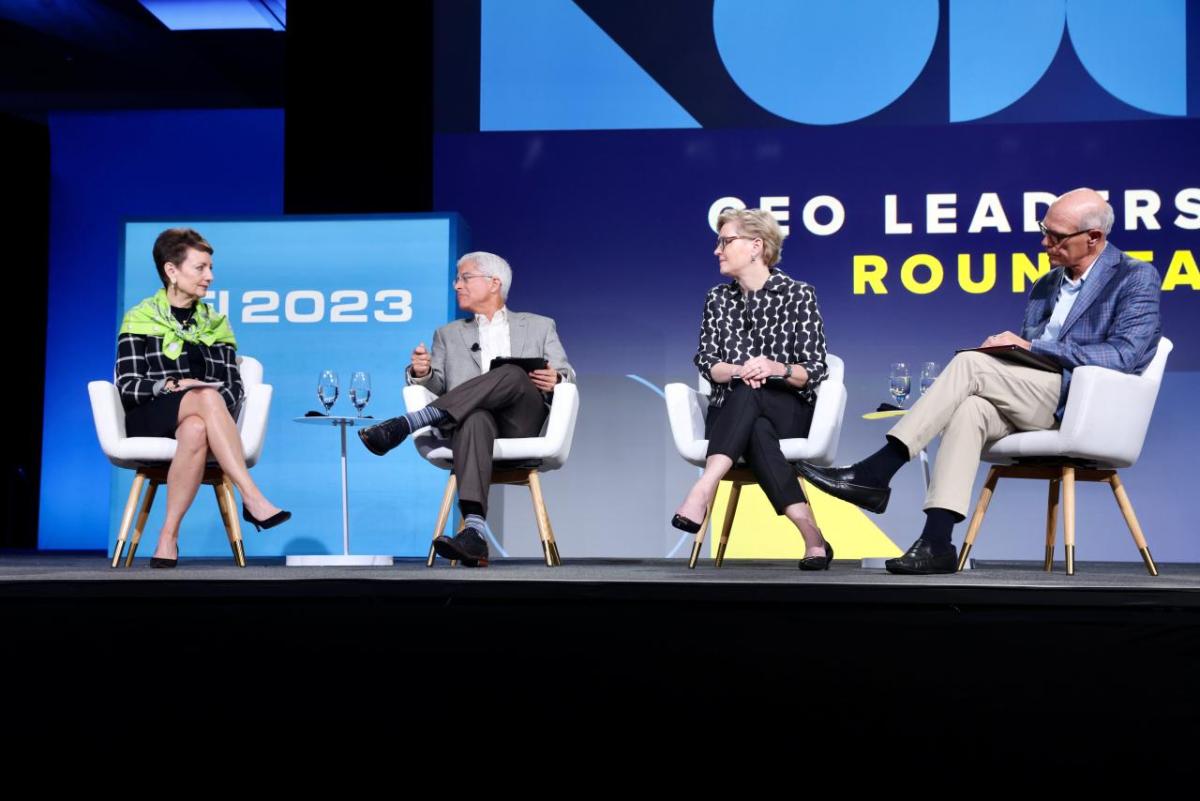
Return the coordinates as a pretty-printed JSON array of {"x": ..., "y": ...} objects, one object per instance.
[
  {"x": 1075, "y": 229},
  {"x": 1085, "y": 209}
]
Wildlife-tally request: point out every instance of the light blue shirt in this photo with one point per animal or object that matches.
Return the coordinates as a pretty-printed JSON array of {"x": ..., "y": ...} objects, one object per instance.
[{"x": 1067, "y": 293}]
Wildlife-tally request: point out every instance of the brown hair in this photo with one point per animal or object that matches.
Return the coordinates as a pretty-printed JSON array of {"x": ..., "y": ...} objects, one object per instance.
[{"x": 172, "y": 246}]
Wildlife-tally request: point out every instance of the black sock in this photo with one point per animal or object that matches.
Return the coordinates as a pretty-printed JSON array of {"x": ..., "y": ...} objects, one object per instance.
[
  {"x": 469, "y": 508},
  {"x": 880, "y": 466},
  {"x": 939, "y": 527}
]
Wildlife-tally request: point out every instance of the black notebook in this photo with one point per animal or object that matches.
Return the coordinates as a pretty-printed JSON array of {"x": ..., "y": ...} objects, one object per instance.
[
  {"x": 1015, "y": 353},
  {"x": 526, "y": 363}
]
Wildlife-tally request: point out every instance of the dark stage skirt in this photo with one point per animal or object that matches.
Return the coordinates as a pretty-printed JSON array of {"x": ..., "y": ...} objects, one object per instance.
[{"x": 158, "y": 417}]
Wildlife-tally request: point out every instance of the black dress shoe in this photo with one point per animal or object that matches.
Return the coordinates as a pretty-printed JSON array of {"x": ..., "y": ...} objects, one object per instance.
[
  {"x": 467, "y": 546},
  {"x": 844, "y": 483},
  {"x": 818, "y": 562},
  {"x": 159, "y": 562},
  {"x": 686, "y": 523},
  {"x": 924, "y": 558},
  {"x": 382, "y": 437},
  {"x": 271, "y": 522}
]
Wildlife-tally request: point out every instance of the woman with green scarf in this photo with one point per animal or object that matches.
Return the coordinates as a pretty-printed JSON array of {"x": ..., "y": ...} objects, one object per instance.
[{"x": 178, "y": 377}]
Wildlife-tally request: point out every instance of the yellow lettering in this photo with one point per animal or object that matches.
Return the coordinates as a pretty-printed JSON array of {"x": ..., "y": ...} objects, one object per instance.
[
  {"x": 869, "y": 271},
  {"x": 964, "y": 274},
  {"x": 1182, "y": 272},
  {"x": 1023, "y": 270},
  {"x": 1142, "y": 255},
  {"x": 909, "y": 279}
]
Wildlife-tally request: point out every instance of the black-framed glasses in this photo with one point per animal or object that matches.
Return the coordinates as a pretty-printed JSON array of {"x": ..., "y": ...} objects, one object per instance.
[
  {"x": 722, "y": 241},
  {"x": 1055, "y": 237}
]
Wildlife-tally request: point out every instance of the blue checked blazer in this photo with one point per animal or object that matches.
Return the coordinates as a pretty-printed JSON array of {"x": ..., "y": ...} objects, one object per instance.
[{"x": 1114, "y": 323}]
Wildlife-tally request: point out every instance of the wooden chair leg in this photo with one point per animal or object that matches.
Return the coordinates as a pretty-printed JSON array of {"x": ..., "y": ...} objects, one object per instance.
[
  {"x": 233, "y": 525},
  {"x": 735, "y": 494},
  {"x": 1051, "y": 525},
  {"x": 127, "y": 517},
  {"x": 699, "y": 539},
  {"x": 141, "y": 521},
  {"x": 985, "y": 498},
  {"x": 1131, "y": 520},
  {"x": 219, "y": 494},
  {"x": 549, "y": 548},
  {"x": 443, "y": 516},
  {"x": 1068, "y": 493}
]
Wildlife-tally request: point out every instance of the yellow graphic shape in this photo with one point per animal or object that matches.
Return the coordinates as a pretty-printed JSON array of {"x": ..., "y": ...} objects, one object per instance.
[{"x": 759, "y": 533}]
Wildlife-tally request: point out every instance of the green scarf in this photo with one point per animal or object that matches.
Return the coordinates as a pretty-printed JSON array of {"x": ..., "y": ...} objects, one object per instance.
[{"x": 152, "y": 317}]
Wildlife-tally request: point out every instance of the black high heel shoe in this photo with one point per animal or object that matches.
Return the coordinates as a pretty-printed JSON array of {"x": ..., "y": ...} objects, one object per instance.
[
  {"x": 818, "y": 562},
  {"x": 686, "y": 523},
  {"x": 271, "y": 522},
  {"x": 157, "y": 561}
]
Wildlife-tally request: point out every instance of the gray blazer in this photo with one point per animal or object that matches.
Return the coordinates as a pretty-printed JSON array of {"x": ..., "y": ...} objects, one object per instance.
[{"x": 456, "y": 357}]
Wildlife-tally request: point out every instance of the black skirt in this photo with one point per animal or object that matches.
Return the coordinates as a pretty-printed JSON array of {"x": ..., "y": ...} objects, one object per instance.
[{"x": 158, "y": 417}]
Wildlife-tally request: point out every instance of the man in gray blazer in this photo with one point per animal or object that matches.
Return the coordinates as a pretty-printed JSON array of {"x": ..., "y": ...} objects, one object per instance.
[{"x": 476, "y": 404}]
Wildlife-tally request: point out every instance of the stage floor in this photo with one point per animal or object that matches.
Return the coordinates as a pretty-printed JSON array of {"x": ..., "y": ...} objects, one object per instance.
[
  {"x": 1005, "y": 657},
  {"x": 1094, "y": 583}
]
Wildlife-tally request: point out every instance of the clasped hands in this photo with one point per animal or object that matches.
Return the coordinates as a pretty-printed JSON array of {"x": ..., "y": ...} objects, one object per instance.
[{"x": 757, "y": 370}]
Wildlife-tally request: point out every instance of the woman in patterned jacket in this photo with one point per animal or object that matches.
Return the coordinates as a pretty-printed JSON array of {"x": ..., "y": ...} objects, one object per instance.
[
  {"x": 178, "y": 377},
  {"x": 762, "y": 347}
]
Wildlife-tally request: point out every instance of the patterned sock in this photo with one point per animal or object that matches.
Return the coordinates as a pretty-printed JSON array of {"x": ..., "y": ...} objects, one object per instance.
[
  {"x": 429, "y": 416},
  {"x": 468, "y": 508},
  {"x": 478, "y": 523}
]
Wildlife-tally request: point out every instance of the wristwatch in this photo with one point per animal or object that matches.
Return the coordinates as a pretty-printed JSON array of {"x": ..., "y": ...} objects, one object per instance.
[{"x": 787, "y": 373}]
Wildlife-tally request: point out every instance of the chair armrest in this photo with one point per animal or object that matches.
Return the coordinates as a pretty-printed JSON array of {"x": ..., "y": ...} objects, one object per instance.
[
  {"x": 560, "y": 424},
  {"x": 685, "y": 411},
  {"x": 417, "y": 397},
  {"x": 108, "y": 415},
  {"x": 256, "y": 410},
  {"x": 826, "y": 429},
  {"x": 1107, "y": 413}
]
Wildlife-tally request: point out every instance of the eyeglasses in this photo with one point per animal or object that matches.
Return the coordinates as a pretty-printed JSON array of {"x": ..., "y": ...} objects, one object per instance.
[
  {"x": 465, "y": 277},
  {"x": 723, "y": 241},
  {"x": 1055, "y": 237}
]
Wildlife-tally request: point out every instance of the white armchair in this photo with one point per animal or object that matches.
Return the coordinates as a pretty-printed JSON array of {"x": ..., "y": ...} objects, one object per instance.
[
  {"x": 1103, "y": 428},
  {"x": 687, "y": 407},
  {"x": 549, "y": 451},
  {"x": 151, "y": 456}
]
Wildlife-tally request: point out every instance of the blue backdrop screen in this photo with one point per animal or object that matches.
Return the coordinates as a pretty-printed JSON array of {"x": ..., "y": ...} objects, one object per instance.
[{"x": 306, "y": 295}]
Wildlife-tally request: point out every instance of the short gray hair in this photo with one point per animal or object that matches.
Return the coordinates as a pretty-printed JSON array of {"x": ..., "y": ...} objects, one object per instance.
[
  {"x": 1095, "y": 214},
  {"x": 493, "y": 265}
]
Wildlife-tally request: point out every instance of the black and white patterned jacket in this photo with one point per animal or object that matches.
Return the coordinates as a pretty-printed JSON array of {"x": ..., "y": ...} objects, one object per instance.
[
  {"x": 780, "y": 321},
  {"x": 142, "y": 368}
]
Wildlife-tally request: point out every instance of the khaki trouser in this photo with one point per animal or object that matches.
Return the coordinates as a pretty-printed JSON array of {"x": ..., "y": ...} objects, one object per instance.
[{"x": 977, "y": 399}]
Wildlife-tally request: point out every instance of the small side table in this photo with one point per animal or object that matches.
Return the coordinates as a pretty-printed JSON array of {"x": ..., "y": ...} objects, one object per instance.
[{"x": 345, "y": 558}]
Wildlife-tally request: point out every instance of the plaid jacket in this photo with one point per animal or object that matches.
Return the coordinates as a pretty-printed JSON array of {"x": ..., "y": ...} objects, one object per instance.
[
  {"x": 141, "y": 368},
  {"x": 1114, "y": 322}
]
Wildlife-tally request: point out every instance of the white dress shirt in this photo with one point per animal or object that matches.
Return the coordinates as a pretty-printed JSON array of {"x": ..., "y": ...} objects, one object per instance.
[
  {"x": 494, "y": 338},
  {"x": 1068, "y": 291}
]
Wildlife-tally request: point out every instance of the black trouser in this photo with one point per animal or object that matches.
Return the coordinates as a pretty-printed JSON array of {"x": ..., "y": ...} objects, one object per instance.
[
  {"x": 750, "y": 424},
  {"x": 500, "y": 403}
]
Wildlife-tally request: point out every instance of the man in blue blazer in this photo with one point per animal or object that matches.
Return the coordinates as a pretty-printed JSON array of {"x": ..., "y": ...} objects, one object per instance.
[
  {"x": 475, "y": 403},
  {"x": 1098, "y": 306}
]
